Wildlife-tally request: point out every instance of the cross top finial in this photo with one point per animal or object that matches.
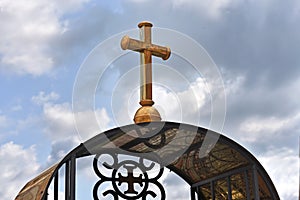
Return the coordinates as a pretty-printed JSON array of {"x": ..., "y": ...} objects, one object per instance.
[
  {"x": 146, "y": 113},
  {"x": 145, "y": 23}
]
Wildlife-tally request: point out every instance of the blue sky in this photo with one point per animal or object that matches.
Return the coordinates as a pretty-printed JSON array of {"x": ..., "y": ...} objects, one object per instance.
[{"x": 255, "y": 45}]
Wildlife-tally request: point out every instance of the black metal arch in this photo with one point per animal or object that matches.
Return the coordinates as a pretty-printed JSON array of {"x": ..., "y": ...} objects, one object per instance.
[{"x": 228, "y": 169}]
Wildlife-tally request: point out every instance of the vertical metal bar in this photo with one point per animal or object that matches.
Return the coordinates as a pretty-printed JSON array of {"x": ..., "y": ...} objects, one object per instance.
[
  {"x": 212, "y": 190},
  {"x": 193, "y": 197},
  {"x": 198, "y": 193},
  {"x": 229, "y": 187},
  {"x": 73, "y": 177},
  {"x": 46, "y": 196},
  {"x": 255, "y": 183},
  {"x": 67, "y": 180},
  {"x": 247, "y": 184},
  {"x": 56, "y": 186}
]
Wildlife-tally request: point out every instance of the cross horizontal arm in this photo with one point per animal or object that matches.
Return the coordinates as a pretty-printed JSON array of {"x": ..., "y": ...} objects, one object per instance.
[{"x": 140, "y": 46}]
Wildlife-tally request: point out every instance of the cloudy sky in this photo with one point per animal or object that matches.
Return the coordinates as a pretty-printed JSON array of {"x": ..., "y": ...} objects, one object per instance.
[{"x": 254, "y": 44}]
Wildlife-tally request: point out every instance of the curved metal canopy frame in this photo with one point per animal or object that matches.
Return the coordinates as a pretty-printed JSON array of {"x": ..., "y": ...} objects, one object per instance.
[{"x": 228, "y": 171}]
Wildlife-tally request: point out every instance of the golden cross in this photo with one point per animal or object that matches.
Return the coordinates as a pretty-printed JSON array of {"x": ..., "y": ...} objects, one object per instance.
[{"x": 146, "y": 49}]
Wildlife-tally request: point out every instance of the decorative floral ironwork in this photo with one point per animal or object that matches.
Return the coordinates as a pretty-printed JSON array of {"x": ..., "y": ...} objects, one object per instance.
[{"x": 129, "y": 178}]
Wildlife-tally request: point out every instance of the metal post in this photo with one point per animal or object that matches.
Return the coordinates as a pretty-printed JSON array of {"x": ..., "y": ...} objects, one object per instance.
[
  {"x": 70, "y": 178},
  {"x": 212, "y": 190},
  {"x": 255, "y": 183},
  {"x": 67, "y": 180},
  {"x": 247, "y": 184},
  {"x": 73, "y": 177},
  {"x": 56, "y": 186},
  {"x": 199, "y": 196},
  {"x": 229, "y": 188},
  {"x": 193, "y": 197}
]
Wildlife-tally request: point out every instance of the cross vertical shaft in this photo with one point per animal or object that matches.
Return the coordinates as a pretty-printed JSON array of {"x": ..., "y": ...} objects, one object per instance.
[
  {"x": 146, "y": 66},
  {"x": 146, "y": 113}
]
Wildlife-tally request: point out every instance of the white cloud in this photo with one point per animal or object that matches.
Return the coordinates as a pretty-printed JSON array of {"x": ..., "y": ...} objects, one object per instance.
[
  {"x": 194, "y": 98},
  {"x": 91, "y": 122},
  {"x": 59, "y": 125},
  {"x": 212, "y": 8},
  {"x": 17, "y": 108},
  {"x": 42, "y": 97},
  {"x": 27, "y": 30},
  {"x": 66, "y": 6},
  {"x": 3, "y": 121},
  {"x": 182, "y": 106},
  {"x": 138, "y": 1},
  {"x": 283, "y": 167},
  {"x": 172, "y": 183},
  {"x": 59, "y": 121},
  {"x": 256, "y": 127},
  {"x": 18, "y": 165},
  {"x": 233, "y": 86}
]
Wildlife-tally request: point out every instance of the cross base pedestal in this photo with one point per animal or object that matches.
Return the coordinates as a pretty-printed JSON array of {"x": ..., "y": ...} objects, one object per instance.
[{"x": 146, "y": 114}]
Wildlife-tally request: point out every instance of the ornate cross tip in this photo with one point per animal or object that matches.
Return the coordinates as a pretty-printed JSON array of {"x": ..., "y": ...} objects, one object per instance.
[{"x": 146, "y": 113}]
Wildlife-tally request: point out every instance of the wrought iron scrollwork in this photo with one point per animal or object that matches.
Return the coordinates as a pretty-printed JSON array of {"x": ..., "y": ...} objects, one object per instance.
[
  {"x": 151, "y": 138},
  {"x": 162, "y": 142},
  {"x": 129, "y": 178}
]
